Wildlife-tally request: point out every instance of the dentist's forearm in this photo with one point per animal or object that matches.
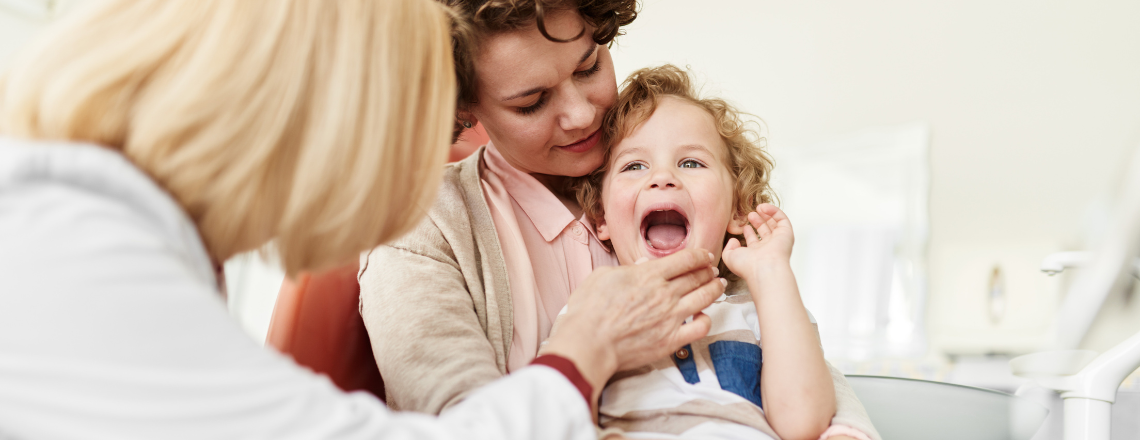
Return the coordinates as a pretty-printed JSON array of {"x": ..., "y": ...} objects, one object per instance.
[{"x": 795, "y": 385}]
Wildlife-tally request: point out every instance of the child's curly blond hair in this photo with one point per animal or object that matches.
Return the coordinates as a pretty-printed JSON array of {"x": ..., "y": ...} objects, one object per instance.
[{"x": 750, "y": 166}]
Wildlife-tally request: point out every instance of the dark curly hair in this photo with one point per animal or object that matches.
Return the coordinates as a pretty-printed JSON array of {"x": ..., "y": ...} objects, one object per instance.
[{"x": 476, "y": 19}]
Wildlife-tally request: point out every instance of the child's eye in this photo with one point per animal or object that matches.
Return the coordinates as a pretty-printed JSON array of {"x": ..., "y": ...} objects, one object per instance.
[
  {"x": 691, "y": 163},
  {"x": 634, "y": 166}
]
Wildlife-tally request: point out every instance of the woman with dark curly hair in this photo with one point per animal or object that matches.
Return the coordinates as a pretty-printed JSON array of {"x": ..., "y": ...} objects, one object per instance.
[{"x": 467, "y": 296}]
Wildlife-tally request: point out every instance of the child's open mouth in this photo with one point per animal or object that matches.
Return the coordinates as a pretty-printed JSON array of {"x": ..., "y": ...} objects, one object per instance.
[{"x": 665, "y": 229}]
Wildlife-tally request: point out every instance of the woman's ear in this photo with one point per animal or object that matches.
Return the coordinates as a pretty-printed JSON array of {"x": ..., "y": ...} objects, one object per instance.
[
  {"x": 466, "y": 118},
  {"x": 603, "y": 231},
  {"x": 736, "y": 225}
]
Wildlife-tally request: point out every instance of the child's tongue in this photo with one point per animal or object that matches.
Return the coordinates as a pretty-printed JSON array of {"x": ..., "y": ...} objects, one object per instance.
[{"x": 665, "y": 236}]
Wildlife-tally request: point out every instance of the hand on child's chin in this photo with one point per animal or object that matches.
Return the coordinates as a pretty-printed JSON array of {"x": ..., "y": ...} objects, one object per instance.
[{"x": 768, "y": 242}]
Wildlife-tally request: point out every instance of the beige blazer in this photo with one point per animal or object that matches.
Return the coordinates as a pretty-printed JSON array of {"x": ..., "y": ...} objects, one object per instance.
[{"x": 437, "y": 305}]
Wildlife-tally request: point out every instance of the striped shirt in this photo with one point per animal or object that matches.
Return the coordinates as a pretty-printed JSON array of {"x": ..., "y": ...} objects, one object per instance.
[
  {"x": 710, "y": 389},
  {"x": 707, "y": 389}
]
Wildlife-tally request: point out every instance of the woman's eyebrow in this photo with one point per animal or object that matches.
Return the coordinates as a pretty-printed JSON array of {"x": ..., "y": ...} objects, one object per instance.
[
  {"x": 526, "y": 93},
  {"x": 589, "y": 51}
]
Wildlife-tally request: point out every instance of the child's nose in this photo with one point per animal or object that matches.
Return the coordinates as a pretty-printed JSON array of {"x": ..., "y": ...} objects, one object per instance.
[{"x": 664, "y": 179}]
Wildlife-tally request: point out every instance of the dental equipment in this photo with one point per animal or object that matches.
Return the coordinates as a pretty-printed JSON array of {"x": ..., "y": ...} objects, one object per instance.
[
  {"x": 1057, "y": 262},
  {"x": 918, "y": 409},
  {"x": 1088, "y": 382}
]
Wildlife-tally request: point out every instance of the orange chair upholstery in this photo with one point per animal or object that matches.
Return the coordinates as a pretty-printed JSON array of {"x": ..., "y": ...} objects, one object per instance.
[
  {"x": 469, "y": 141},
  {"x": 317, "y": 321}
]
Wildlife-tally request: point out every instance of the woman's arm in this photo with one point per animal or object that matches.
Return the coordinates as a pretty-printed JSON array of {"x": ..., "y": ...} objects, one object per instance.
[{"x": 111, "y": 326}]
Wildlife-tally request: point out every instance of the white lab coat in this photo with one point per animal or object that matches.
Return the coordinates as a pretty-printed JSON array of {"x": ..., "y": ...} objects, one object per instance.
[{"x": 112, "y": 327}]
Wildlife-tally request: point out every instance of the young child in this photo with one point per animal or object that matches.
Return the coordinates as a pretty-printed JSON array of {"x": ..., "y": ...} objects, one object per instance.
[{"x": 686, "y": 172}]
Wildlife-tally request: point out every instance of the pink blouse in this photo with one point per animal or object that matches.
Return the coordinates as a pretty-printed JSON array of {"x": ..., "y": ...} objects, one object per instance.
[{"x": 547, "y": 251}]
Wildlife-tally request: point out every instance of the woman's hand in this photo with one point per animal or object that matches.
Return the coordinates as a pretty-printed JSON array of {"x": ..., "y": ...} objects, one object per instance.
[
  {"x": 769, "y": 240},
  {"x": 625, "y": 317}
]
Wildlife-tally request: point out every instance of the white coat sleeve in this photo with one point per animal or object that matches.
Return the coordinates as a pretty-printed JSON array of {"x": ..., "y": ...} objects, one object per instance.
[{"x": 108, "y": 330}]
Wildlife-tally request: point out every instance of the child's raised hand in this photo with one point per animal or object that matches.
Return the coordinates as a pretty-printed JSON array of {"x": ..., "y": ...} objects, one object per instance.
[{"x": 768, "y": 240}]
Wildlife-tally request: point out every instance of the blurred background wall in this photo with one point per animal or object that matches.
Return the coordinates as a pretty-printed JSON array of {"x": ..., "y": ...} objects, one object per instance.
[
  {"x": 20, "y": 21},
  {"x": 1030, "y": 110}
]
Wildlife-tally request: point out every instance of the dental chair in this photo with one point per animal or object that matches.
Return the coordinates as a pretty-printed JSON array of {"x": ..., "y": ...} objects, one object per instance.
[
  {"x": 316, "y": 320},
  {"x": 1088, "y": 381},
  {"x": 903, "y": 409}
]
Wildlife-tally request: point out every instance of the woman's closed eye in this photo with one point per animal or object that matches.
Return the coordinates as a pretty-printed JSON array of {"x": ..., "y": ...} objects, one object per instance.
[
  {"x": 542, "y": 99},
  {"x": 592, "y": 70},
  {"x": 530, "y": 109},
  {"x": 691, "y": 163}
]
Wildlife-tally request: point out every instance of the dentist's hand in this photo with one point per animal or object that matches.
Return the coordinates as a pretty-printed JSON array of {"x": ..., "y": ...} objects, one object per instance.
[
  {"x": 625, "y": 317},
  {"x": 768, "y": 238}
]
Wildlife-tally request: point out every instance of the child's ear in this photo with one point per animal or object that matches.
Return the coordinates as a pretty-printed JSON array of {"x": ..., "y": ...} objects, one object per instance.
[
  {"x": 736, "y": 225},
  {"x": 603, "y": 231}
]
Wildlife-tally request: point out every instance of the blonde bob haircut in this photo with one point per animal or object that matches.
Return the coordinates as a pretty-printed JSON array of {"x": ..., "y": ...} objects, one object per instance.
[{"x": 321, "y": 125}]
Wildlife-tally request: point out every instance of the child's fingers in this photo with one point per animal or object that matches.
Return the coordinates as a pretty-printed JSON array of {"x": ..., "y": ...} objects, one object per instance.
[
  {"x": 771, "y": 215},
  {"x": 759, "y": 224},
  {"x": 772, "y": 223},
  {"x": 750, "y": 236},
  {"x": 770, "y": 211},
  {"x": 732, "y": 245}
]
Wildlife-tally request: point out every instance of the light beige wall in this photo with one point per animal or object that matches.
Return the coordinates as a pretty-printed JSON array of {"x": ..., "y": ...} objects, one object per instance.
[
  {"x": 16, "y": 30},
  {"x": 1033, "y": 107}
]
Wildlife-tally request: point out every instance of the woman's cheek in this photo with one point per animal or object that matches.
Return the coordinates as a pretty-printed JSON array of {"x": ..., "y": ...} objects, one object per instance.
[{"x": 538, "y": 131}]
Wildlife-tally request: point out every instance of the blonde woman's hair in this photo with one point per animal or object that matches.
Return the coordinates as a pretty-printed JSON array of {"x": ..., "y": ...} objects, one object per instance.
[{"x": 322, "y": 125}]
